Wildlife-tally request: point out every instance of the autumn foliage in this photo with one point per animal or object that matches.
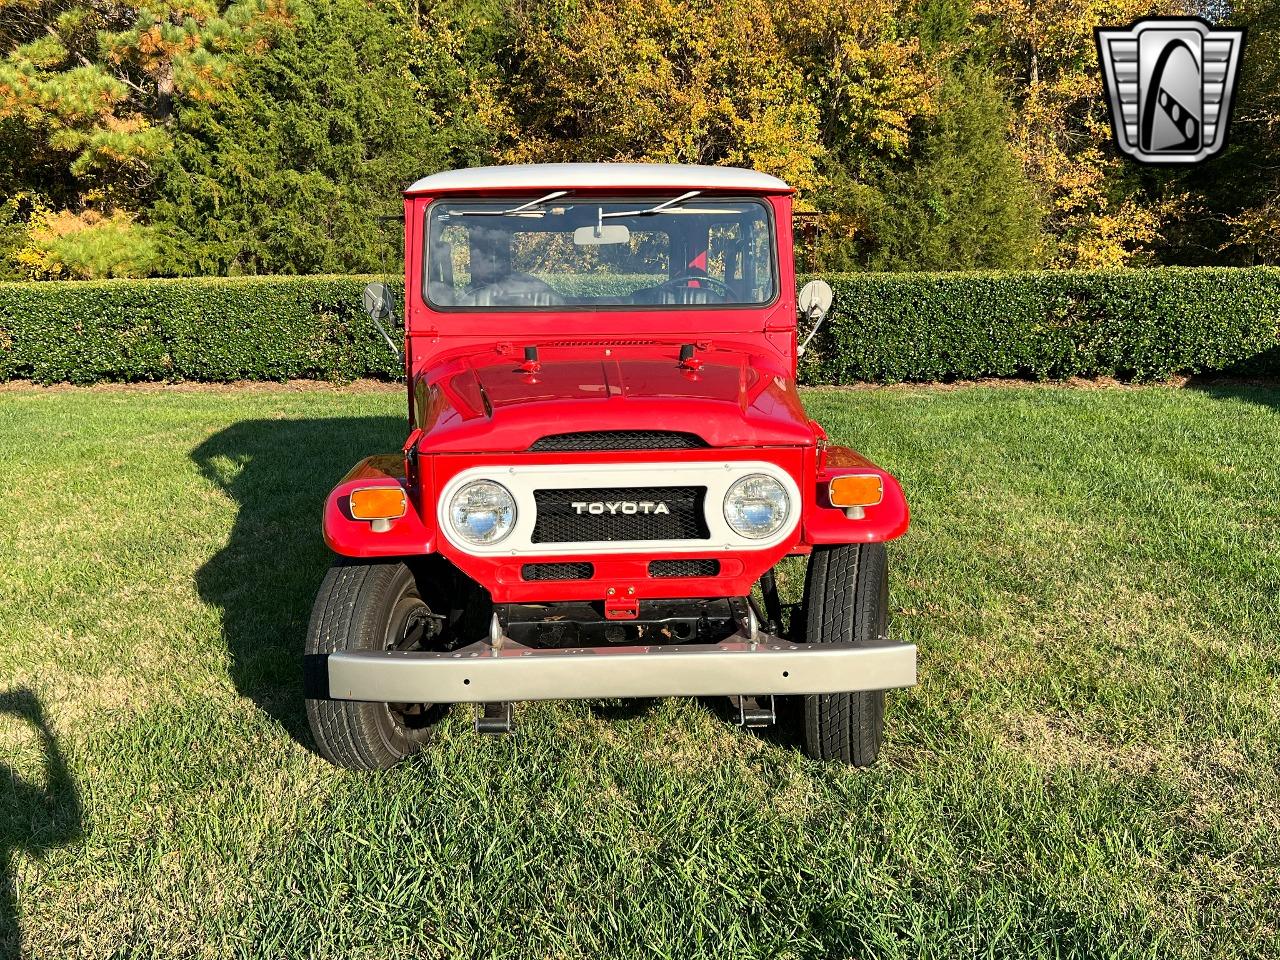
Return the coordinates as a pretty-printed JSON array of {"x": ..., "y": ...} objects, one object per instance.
[{"x": 180, "y": 137}]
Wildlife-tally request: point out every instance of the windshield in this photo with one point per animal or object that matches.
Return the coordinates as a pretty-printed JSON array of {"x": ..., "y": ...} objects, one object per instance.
[{"x": 557, "y": 252}]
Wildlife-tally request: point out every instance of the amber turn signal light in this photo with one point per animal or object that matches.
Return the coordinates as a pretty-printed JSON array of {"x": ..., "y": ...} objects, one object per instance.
[
  {"x": 378, "y": 503},
  {"x": 860, "y": 490}
]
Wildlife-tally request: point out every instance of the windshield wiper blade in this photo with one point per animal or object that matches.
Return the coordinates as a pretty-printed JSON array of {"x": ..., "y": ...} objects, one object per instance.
[
  {"x": 524, "y": 208},
  {"x": 657, "y": 208}
]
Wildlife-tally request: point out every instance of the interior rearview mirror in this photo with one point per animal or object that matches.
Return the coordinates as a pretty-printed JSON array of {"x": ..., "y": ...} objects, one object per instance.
[
  {"x": 815, "y": 299},
  {"x": 380, "y": 301},
  {"x": 601, "y": 234}
]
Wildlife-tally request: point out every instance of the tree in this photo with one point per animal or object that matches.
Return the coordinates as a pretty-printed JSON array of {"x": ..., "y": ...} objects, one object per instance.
[
  {"x": 822, "y": 94},
  {"x": 88, "y": 93},
  {"x": 146, "y": 136},
  {"x": 96, "y": 86},
  {"x": 1254, "y": 171},
  {"x": 939, "y": 188},
  {"x": 299, "y": 168},
  {"x": 660, "y": 80},
  {"x": 962, "y": 202},
  {"x": 1098, "y": 208},
  {"x": 1236, "y": 215}
]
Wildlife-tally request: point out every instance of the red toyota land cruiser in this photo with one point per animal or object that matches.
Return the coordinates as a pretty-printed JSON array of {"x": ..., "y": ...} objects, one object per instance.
[{"x": 606, "y": 454}]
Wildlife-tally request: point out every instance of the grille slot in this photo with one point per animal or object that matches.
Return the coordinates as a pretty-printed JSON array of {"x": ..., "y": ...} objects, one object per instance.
[
  {"x": 559, "y": 521},
  {"x": 619, "y": 440},
  {"x": 557, "y": 571},
  {"x": 684, "y": 568}
]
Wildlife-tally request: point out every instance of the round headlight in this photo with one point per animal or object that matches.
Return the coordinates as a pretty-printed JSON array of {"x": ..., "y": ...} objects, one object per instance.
[
  {"x": 482, "y": 511},
  {"x": 756, "y": 506}
]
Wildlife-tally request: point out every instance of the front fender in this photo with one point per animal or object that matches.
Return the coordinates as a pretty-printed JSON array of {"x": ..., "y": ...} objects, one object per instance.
[
  {"x": 825, "y": 524},
  {"x": 408, "y": 536}
]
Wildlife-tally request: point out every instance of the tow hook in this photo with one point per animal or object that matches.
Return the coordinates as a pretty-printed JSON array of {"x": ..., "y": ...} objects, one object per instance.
[
  {"x": 621, "y": 607},
  {"x": 755, "y": 711}
]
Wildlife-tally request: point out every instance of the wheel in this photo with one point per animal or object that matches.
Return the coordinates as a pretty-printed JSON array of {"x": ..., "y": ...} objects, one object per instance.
[
  {"x": 846, "y": 599},
  {"x": 370, "y": 606}
]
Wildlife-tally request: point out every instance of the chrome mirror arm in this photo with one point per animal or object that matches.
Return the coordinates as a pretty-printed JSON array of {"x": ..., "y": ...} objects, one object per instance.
[
  {"x": 821, "y": 315},
  {"x": 387, "y": 337}
]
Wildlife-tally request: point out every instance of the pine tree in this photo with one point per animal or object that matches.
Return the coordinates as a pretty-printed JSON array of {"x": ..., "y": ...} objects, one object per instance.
[
  {"x": 950, "y": 192},
  {"x": 962, "y": 203},
  {"x": 88, "y": 94},
  {"x": 93, "y": 87},
  {"x": 299, "y": 168}
]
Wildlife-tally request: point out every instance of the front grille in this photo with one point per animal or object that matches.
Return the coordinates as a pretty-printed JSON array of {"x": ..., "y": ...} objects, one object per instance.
[
  {"x": 557, "y": 571},
  {"x": 684, "y": 568},
  {"x": 619, "y": 440},
  {"x": 621, "y": 514}
]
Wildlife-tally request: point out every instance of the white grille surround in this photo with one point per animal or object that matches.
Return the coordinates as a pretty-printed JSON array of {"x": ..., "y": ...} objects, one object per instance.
[{"x": 522, "y": 481}]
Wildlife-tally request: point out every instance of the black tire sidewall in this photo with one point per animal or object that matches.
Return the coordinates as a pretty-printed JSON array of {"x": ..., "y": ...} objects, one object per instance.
[{"x": 353, "y": 612}]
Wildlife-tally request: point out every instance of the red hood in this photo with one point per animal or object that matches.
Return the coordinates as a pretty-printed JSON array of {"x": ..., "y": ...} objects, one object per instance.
[{"x": 483, "y": 401}]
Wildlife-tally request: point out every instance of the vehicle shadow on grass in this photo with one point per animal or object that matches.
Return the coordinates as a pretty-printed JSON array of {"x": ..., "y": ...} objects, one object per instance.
[
  {"x": 1263, "y": 392},
  {"x": 265, "y": 578},
  {"x": 35, "y": 817}
]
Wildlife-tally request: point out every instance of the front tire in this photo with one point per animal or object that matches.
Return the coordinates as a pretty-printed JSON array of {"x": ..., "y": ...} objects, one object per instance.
[
  {"x": 370, "y": 606},
  {"x": 846, "y": 600}
]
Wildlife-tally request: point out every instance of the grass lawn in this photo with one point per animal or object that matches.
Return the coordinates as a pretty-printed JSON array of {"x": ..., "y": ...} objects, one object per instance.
[{"x": 1090, "y": 765}]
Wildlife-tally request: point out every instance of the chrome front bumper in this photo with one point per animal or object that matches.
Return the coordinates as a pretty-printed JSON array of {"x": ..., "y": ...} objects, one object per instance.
[{"x": 484, "y": 673}]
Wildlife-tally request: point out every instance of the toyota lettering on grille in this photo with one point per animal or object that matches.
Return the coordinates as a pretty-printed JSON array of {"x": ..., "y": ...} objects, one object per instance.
[
  {"x": 609, "y": 514},
  {"x": 628, "y": 507}
]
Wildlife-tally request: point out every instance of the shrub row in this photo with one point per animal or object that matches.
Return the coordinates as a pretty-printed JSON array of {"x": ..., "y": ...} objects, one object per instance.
[
  {"x": 886, "y": 327},
  {"x": 1133, "y": 324},
  {"x": 217, "y": 329}
]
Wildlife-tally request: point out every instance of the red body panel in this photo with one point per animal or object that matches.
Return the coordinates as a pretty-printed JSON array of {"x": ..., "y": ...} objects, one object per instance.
[
  {"x": 479, "y": 399},
  {"x": 475, "y": 403},
  {"x": 409, "y": 535},
  {"x": 823, "y": 523}
]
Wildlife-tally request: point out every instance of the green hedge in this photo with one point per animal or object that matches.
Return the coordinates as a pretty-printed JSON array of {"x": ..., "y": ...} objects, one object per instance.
[
  {"x": 886, "y": 327},
  {"x": 218, "y": 329},
  {"x": 1138, "y": 324}
]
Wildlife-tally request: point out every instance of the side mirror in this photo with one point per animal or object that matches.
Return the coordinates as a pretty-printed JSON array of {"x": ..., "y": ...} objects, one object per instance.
[
  {"x": 380, "y": 304},
  {"x": 380, "y": 301},
  {"x": 815, "y": 299},
  {"x": 814, "y": 302}
]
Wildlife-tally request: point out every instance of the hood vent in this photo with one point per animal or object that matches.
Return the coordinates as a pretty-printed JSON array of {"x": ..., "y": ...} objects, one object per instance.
[{"x": 618, "y": 440}]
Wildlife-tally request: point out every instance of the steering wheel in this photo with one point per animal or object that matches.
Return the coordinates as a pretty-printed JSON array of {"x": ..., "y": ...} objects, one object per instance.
[{"x": 687, "y": 279}]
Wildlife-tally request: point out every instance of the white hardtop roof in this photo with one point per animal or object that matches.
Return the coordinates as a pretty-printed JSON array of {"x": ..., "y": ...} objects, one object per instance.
[{"x": 584, "y": 176}]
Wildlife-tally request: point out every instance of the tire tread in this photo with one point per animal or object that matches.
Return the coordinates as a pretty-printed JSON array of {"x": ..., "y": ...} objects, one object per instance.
[
  {"x": 845, "y": 601},
  {"x": 348, "y": 733}
]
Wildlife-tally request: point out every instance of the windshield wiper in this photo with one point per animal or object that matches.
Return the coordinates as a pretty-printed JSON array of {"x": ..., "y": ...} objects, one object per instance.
[
  {"x": 658, "y": 208},
  {"x": 523, "y": 209}
]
